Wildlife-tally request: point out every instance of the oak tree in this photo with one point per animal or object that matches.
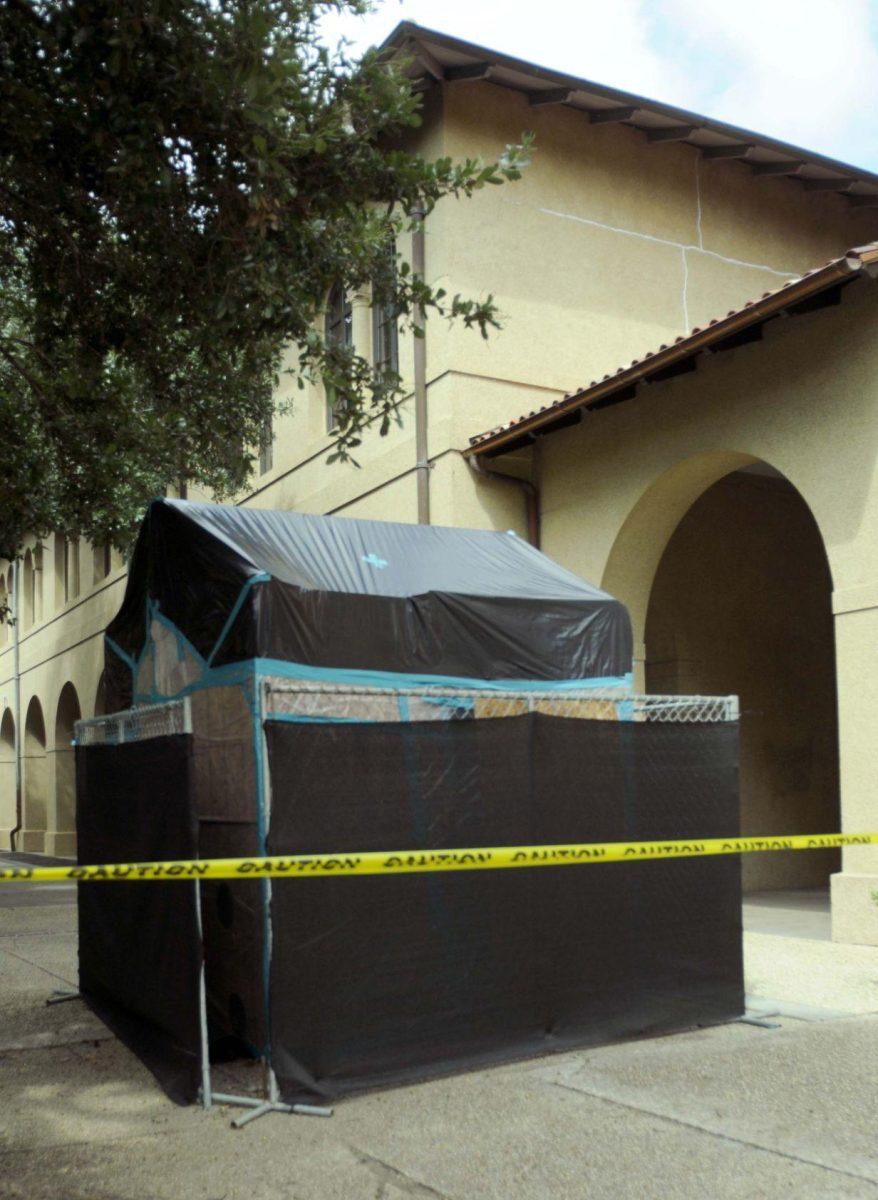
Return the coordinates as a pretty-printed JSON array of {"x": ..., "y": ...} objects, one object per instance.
[{"x": 181, "y": 183}]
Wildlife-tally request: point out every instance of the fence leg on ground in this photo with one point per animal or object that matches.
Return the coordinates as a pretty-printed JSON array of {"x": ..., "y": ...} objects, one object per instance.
[
  {"x": 206, "y": 1096},
  {"x": 760, "y": 1020},
  {"x": 259, "y": 1107},
  {"x": 61, "y": 996}
]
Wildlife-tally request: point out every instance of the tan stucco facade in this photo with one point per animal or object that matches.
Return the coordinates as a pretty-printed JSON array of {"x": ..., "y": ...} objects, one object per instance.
[
  {"x": 803, "y": 402},
  {"x": 608, "y": 247}
]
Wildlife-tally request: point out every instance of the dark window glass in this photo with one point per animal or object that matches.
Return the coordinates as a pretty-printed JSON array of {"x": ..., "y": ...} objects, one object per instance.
[
  {"x": 266, "y": 447},
  {"x": 385, "y": 336},
  {"x": 338, "y": 332}
]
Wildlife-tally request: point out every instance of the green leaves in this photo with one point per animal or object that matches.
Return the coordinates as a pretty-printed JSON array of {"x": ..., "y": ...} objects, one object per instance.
[{"x": 180, "y": 186}]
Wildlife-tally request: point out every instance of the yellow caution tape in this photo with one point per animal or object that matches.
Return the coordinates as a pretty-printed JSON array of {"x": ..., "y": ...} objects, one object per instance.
[{"x": 409, "y": 862}]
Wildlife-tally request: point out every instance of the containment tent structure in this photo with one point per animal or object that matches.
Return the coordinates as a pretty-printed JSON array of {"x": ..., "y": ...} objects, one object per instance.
[{"x": 358, "y": 685}]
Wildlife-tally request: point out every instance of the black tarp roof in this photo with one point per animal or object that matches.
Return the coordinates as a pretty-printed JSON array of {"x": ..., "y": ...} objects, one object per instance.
[{"x": 366, "y": 595}]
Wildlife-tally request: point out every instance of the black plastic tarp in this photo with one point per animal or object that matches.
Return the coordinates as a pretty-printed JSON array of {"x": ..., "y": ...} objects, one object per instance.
[
  {"x": 378, "y": 980},
  {"x": 366, "y": 595},
  {"x": 139, "y": 949}
]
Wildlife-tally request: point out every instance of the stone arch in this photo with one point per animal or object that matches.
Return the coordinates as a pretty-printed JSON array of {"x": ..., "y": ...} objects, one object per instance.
[
  {"x": 35, "y": 778},
  {"x": 67, "y": 714},
  {"x": 726, "y": 575},
  {"x": 640, "y": 543},
  {"x": 7, "y": 773}
]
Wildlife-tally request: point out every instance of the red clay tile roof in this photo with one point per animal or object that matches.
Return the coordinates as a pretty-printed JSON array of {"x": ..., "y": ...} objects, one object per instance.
[{"x": 669, "y": 356}]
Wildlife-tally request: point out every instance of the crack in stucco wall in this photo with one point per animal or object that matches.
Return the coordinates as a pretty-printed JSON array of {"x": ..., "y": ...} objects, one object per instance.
[{"x": 685, "y": 248}]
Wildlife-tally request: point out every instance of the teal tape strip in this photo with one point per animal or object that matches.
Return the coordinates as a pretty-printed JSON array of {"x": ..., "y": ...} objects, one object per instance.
[
  {"x": 183, "y": 643},
  {"x": 310, "y": 719},
  {"x": 398, "y": 679},
  {"x": 263, "y": 577}
]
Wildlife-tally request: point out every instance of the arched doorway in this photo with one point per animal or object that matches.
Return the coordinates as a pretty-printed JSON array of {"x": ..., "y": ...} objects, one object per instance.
[
  {"x": 741, "y": 602},
  {"x": 35, "y": 778},
  {"x": 7, "y": 775},
  {"x": 68, "y": 713}
]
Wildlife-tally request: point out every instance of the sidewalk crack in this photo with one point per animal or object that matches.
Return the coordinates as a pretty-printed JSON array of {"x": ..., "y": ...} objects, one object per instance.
[
  {"x": 725, "y": 1137},
  {"x": 385, "y": 1173}
]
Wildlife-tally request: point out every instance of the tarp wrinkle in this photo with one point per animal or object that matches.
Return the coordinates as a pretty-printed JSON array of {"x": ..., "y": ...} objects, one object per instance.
[{"x": 241, "y": 583}]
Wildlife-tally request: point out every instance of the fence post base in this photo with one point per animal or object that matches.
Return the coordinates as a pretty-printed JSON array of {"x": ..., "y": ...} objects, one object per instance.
[{"x": 259, "y": 1107}]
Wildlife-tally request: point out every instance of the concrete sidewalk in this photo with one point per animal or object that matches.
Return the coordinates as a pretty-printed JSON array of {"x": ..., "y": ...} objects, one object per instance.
[{"x": 735, "y": 1112}]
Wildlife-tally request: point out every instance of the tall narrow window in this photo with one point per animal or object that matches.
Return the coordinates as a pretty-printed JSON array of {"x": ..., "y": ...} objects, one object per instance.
[
  {"x": 36, "y": 599},
  {"x": 28, "y": 590},
  {"x": 266, "y": 447},
  {"x": 385, "y": 337},
  {"x": 338, "y": 332},
  {"x": 4, "y": 608},
  {"x": 71, "y": 568},
  {"x": 103, "y": 561}
]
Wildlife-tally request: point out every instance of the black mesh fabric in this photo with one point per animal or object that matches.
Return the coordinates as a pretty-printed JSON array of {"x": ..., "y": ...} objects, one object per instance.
[
  {"x": 376, "y": 980},
  {"x": 139, "y": 950}
]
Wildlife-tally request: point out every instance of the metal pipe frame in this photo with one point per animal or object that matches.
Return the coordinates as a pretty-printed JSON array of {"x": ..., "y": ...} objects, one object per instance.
[
  {"x": 15, "y": 622},
  {"x": 259, "y": 1106},
  {"x": 422, "y": 453}
]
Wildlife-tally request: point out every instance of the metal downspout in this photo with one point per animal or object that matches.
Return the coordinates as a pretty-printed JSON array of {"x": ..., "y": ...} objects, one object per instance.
[
  {"x": 422, "y": 461},
  {"x": 530, "y": 491},
  {"x": 16, "y": 669}
]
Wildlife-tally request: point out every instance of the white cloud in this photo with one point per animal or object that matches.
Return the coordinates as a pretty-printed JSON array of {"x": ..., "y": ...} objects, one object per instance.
[
  {"x": 804, "y": 71},
  {"x": 606, "y": 42}
]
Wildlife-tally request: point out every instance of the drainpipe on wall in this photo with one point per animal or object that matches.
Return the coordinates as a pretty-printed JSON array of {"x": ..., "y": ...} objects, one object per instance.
[
  {"x": 530, "y": 491},
  {"x": 422, "y": 463},
  {"x": 16, "y": 671}
]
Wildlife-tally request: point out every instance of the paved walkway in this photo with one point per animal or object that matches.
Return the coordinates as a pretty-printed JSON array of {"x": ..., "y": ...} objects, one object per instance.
[
  {"x": 736, "y": 1113},
  {"x": 803, "y": 913}
]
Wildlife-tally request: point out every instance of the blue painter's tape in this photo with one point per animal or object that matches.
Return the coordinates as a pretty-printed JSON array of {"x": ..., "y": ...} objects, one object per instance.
[
  {"x": 311, "y": 719},
  {"x": 262, "y": 577},
  {"x": 397, "y": 679},
  {"x": 463, "y": 702}
]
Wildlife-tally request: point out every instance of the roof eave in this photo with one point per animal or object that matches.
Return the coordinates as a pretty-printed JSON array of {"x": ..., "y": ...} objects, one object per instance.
[
  {"x": 408, "y": 32},
  {"x": 863, "y": 260}
]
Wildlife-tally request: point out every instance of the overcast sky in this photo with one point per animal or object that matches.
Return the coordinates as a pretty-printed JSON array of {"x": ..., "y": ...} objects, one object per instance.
[{"x": 805, "y": 71}]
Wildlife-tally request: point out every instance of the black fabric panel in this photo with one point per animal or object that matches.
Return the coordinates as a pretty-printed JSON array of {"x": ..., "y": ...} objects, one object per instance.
[
  {"x": 118, "y": 682},
  {"x": 139, "y": 951},
  {"x": 439, "y": 634},
  {"x": 195, "y": 579},
  {"x": 233, "y": 921},
  {"x": 378, "y": 980},
  {"x": 225, "y": 796}
]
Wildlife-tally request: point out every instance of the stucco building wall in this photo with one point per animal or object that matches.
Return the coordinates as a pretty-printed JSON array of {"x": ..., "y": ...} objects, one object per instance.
[{"x": 805, "y": 402}]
